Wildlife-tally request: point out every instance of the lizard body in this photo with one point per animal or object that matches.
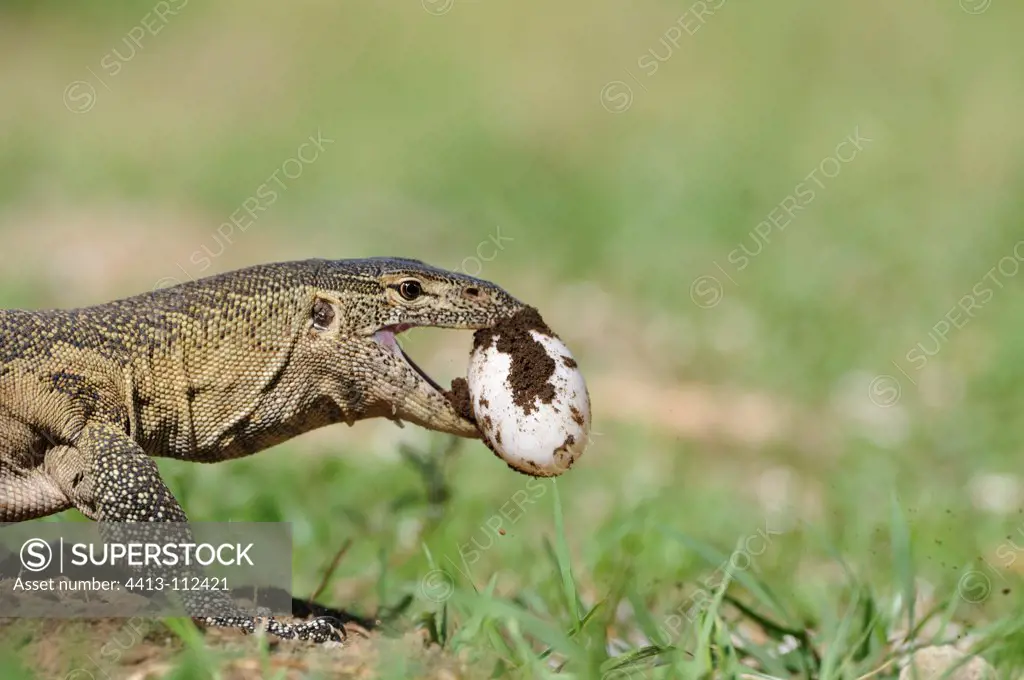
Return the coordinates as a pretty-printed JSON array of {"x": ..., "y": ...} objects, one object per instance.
[{"x": 216, "y": 369}]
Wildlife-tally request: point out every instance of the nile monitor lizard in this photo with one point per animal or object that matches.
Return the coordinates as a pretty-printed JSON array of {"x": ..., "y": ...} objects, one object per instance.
[{"x": 212, "y": 370}]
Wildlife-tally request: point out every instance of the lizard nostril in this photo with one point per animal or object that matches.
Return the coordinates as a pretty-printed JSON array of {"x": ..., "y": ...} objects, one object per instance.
[{"x": 471, "y": 292}]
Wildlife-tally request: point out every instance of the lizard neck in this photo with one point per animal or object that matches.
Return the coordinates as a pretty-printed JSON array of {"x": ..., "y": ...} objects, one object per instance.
[{"x": 220, "y": 381}]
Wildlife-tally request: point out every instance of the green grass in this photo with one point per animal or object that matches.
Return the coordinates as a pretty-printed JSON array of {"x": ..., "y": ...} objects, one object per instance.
[{"x": 861, "y": 529}]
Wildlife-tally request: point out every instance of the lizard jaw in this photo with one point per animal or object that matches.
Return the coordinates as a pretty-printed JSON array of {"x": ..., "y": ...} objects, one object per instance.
[
  {"x": 386, "y": 337},
  {"x": 428, "y": 405}
]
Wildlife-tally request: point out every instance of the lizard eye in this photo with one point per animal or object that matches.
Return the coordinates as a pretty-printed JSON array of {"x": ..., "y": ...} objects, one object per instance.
[
  {"x": 410, "y": 289},
  {"x": 323, "y": 314}
]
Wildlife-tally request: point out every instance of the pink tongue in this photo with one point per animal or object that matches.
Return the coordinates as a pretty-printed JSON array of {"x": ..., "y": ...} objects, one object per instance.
[{"x": 387, "y": 338}]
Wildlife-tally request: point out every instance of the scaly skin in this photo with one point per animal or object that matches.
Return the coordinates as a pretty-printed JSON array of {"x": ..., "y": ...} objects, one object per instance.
[{"x": 212, "y": 370}]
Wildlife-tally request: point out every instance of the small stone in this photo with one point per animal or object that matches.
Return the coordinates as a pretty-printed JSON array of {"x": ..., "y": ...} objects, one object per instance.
[{"x": 932, "y": 663}]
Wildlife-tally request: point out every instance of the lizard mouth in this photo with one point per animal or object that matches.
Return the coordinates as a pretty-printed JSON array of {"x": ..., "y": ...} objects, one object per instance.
[
  {"x": 386, "y": 337},
  {"x": 425, "y": 403}
]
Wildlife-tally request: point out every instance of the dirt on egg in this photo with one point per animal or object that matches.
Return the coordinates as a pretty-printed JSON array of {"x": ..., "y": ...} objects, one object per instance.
[
  {"x": 458, "y": 397},
  {"x": 532, "y": 368},
  {"x": 529, "y": 377},
  {"x": 523, "y": 380}
]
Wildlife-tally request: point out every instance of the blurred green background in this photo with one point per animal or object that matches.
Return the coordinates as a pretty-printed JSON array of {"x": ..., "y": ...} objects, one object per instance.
[{"x": 638, "y": 171}]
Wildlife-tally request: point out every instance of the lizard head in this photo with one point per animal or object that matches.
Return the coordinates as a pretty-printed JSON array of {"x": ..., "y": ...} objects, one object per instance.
[{"x": 376, "y": 300}]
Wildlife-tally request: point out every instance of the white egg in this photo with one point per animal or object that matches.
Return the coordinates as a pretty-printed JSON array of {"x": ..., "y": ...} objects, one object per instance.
[{"x": 530, "y": 400}]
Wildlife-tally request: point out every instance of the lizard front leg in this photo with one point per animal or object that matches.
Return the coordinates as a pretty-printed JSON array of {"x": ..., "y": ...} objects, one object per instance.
[{"x": 110, "y": 479}]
